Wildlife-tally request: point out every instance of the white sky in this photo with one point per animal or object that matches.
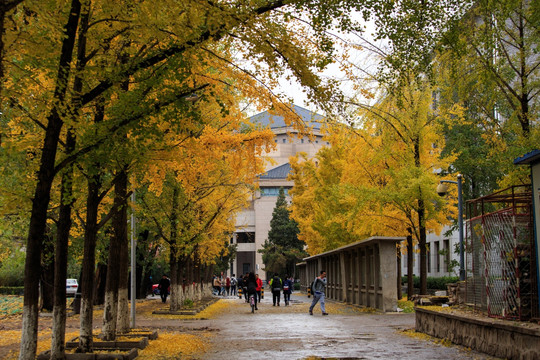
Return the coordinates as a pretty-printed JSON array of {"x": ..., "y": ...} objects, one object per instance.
[{"x": 365, "y": 60}]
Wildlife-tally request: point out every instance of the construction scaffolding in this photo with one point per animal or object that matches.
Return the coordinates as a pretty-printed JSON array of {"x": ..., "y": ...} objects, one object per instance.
[{"x": 500, "y": 258}]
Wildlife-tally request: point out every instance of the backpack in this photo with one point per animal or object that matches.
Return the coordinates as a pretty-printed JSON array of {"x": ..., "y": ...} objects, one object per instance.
[
  {"x": 276, "y": 284},
  {"x": 233, "y": 281},
  {"x": 312, "y": 286}
]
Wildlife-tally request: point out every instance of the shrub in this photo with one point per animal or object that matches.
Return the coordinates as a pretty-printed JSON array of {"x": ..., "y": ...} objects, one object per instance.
[
  {"x": 12, "y": 269},
  {"x": 433, "y": 283},
  {"x": 188, "y": 303},
  {"x": 11, "y": 290},
  {"x": 296, "y": 286}
]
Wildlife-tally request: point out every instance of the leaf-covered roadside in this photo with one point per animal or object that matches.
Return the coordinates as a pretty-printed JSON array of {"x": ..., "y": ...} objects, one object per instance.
[{"x": 10, "y": 305}]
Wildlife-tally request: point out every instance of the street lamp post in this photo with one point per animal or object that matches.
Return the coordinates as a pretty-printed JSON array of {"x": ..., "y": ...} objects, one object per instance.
[
  {"x": 442, "y": 189},
  {"x": 133, "y": 263}
]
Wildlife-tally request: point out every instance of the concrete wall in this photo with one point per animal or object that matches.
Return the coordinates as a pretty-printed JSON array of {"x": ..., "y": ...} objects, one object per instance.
[
  {"x": 491, "y": 336},
  {"x": 363, "y": 273}
]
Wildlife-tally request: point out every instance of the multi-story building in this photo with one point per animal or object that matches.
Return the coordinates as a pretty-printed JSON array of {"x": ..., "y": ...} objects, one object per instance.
[{"x": 253, "y": 223}]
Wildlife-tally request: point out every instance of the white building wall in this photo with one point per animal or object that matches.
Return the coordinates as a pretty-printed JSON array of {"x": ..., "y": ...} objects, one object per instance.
[{"x": 437, "y": 263}]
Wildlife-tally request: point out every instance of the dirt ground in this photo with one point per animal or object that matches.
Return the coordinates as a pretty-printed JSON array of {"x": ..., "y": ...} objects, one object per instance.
[{"x": 228, "y": 330}]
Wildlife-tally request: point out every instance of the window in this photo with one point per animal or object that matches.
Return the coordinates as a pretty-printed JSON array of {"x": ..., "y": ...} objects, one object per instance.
[
  {"x": 447, "y": 254},
  {"x": 284, "y": 140},
  {"x": 272, "y": 191},
  {"x": 428, "y": 254},
  {"x": 437, "y": 257},
  {"x": 302, "y": 141},
  {"x": 245, "y": 237}
]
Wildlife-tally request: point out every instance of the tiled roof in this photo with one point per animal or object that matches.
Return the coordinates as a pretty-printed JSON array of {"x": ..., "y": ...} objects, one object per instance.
[
  {"x": 280, "y": 172},
  {"x": 311, "y": 119}
]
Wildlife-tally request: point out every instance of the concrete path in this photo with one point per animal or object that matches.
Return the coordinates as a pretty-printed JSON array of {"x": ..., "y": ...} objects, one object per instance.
[{"x": 291, "y": 333}]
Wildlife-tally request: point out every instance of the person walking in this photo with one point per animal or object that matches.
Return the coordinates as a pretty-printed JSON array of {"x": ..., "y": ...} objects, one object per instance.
[
  {"x": 275, "y": 285},
  {"x": 251, "y": 282},
  {"x": 222, "y": 281},
  {"x": 245, "y": 285},
  {"x": 319, "y": 287},
  {"x": 287, "y": 290},
  {"x": 259, "y": 287},
  {"x": 234, "y": 282},
  {"x": 217, "y": 285},
  {"x": 228, "y": 285},
  {"x": 163, "y": 287}
]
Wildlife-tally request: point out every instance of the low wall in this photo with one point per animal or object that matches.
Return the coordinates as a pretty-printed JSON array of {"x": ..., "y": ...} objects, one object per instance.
[
  {"x": 362, "y": 273},
  {"x": 490, "y": 336}
]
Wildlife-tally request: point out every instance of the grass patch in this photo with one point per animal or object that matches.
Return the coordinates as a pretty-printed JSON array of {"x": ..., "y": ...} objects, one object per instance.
[{"x": 406, "y": 305}]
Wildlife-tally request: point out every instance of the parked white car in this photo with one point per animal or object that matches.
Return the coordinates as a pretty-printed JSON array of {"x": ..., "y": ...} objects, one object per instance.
[{"x": 71, "y": 287}]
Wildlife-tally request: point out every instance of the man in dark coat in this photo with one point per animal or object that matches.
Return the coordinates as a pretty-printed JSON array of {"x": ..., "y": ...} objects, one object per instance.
[{"x": 163, "y": 287}]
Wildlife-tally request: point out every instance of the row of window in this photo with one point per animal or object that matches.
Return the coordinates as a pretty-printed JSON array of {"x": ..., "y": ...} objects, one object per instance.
[
  {"x": 273, "y": 191},
  {"x": 438, "y": 259},
  {"x": 302, "y": 141}
]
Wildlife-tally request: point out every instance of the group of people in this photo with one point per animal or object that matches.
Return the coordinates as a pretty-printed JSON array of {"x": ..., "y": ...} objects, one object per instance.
[
  {"x": 224, "y": 285},
  {"x": 277, "y": 285},
  {"x": 252, "y": 285}
]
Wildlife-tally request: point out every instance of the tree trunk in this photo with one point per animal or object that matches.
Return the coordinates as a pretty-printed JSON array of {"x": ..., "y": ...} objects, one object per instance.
[
  {"x": 177, "y": 290},
  {"x": 61, "y": 259},
  {"x": 176, "y": 280},
  {"x": 410, "y": 266},
  {"x": 40, "y": 203},
  {"x": 66, "y": 202},
  {"x": 110, "y": 311},
  {"x": 398, "y": 263},
  {"x": 423, "y": 247},
  {"x": 123, "y": 325},
  {"x": 421, "y": 211},
  {"x": 89, "y": 263},
  {"x": 47, "y": 275},
  {"x": 99, "y": 284}
]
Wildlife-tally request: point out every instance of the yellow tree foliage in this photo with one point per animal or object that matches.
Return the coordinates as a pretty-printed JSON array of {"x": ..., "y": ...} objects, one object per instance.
[{"x": 370, "y": 180}]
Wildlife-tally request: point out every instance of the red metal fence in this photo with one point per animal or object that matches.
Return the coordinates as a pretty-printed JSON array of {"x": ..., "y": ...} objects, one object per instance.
[{"x": 500, "y": 259}]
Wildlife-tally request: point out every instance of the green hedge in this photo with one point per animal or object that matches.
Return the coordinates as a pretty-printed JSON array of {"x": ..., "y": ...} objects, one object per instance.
[
  {"x": 433, "y": 283},
  {"x": 11, "y": 290}
]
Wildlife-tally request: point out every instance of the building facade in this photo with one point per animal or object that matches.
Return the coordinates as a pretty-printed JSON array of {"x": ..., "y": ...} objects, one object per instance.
[
  {"x": 442, "y": 258},
  {"x": 253, "y": 223}
]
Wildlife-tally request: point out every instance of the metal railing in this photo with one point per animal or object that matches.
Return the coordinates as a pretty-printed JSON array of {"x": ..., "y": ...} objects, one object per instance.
[{"x": 500, "y": 260}]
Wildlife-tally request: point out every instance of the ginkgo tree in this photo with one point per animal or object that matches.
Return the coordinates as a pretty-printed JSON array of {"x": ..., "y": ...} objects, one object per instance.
[
  {"x": 377, "y": 178},
  {"x": 192, "y": 190}
]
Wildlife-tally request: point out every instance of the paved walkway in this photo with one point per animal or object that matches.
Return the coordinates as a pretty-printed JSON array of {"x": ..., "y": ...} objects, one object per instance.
[{"x": 291, "y": 333}]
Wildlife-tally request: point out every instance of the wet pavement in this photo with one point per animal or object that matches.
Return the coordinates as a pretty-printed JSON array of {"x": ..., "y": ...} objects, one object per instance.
[{"x": 291, "y": 333}]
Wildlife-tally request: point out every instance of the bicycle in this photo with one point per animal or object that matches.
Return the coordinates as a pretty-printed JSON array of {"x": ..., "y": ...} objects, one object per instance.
[{"x": 252, "y": 302}]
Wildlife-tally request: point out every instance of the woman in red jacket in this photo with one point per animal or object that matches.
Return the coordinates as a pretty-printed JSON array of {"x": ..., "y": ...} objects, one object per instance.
[{"x": 259, "y": 287}]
